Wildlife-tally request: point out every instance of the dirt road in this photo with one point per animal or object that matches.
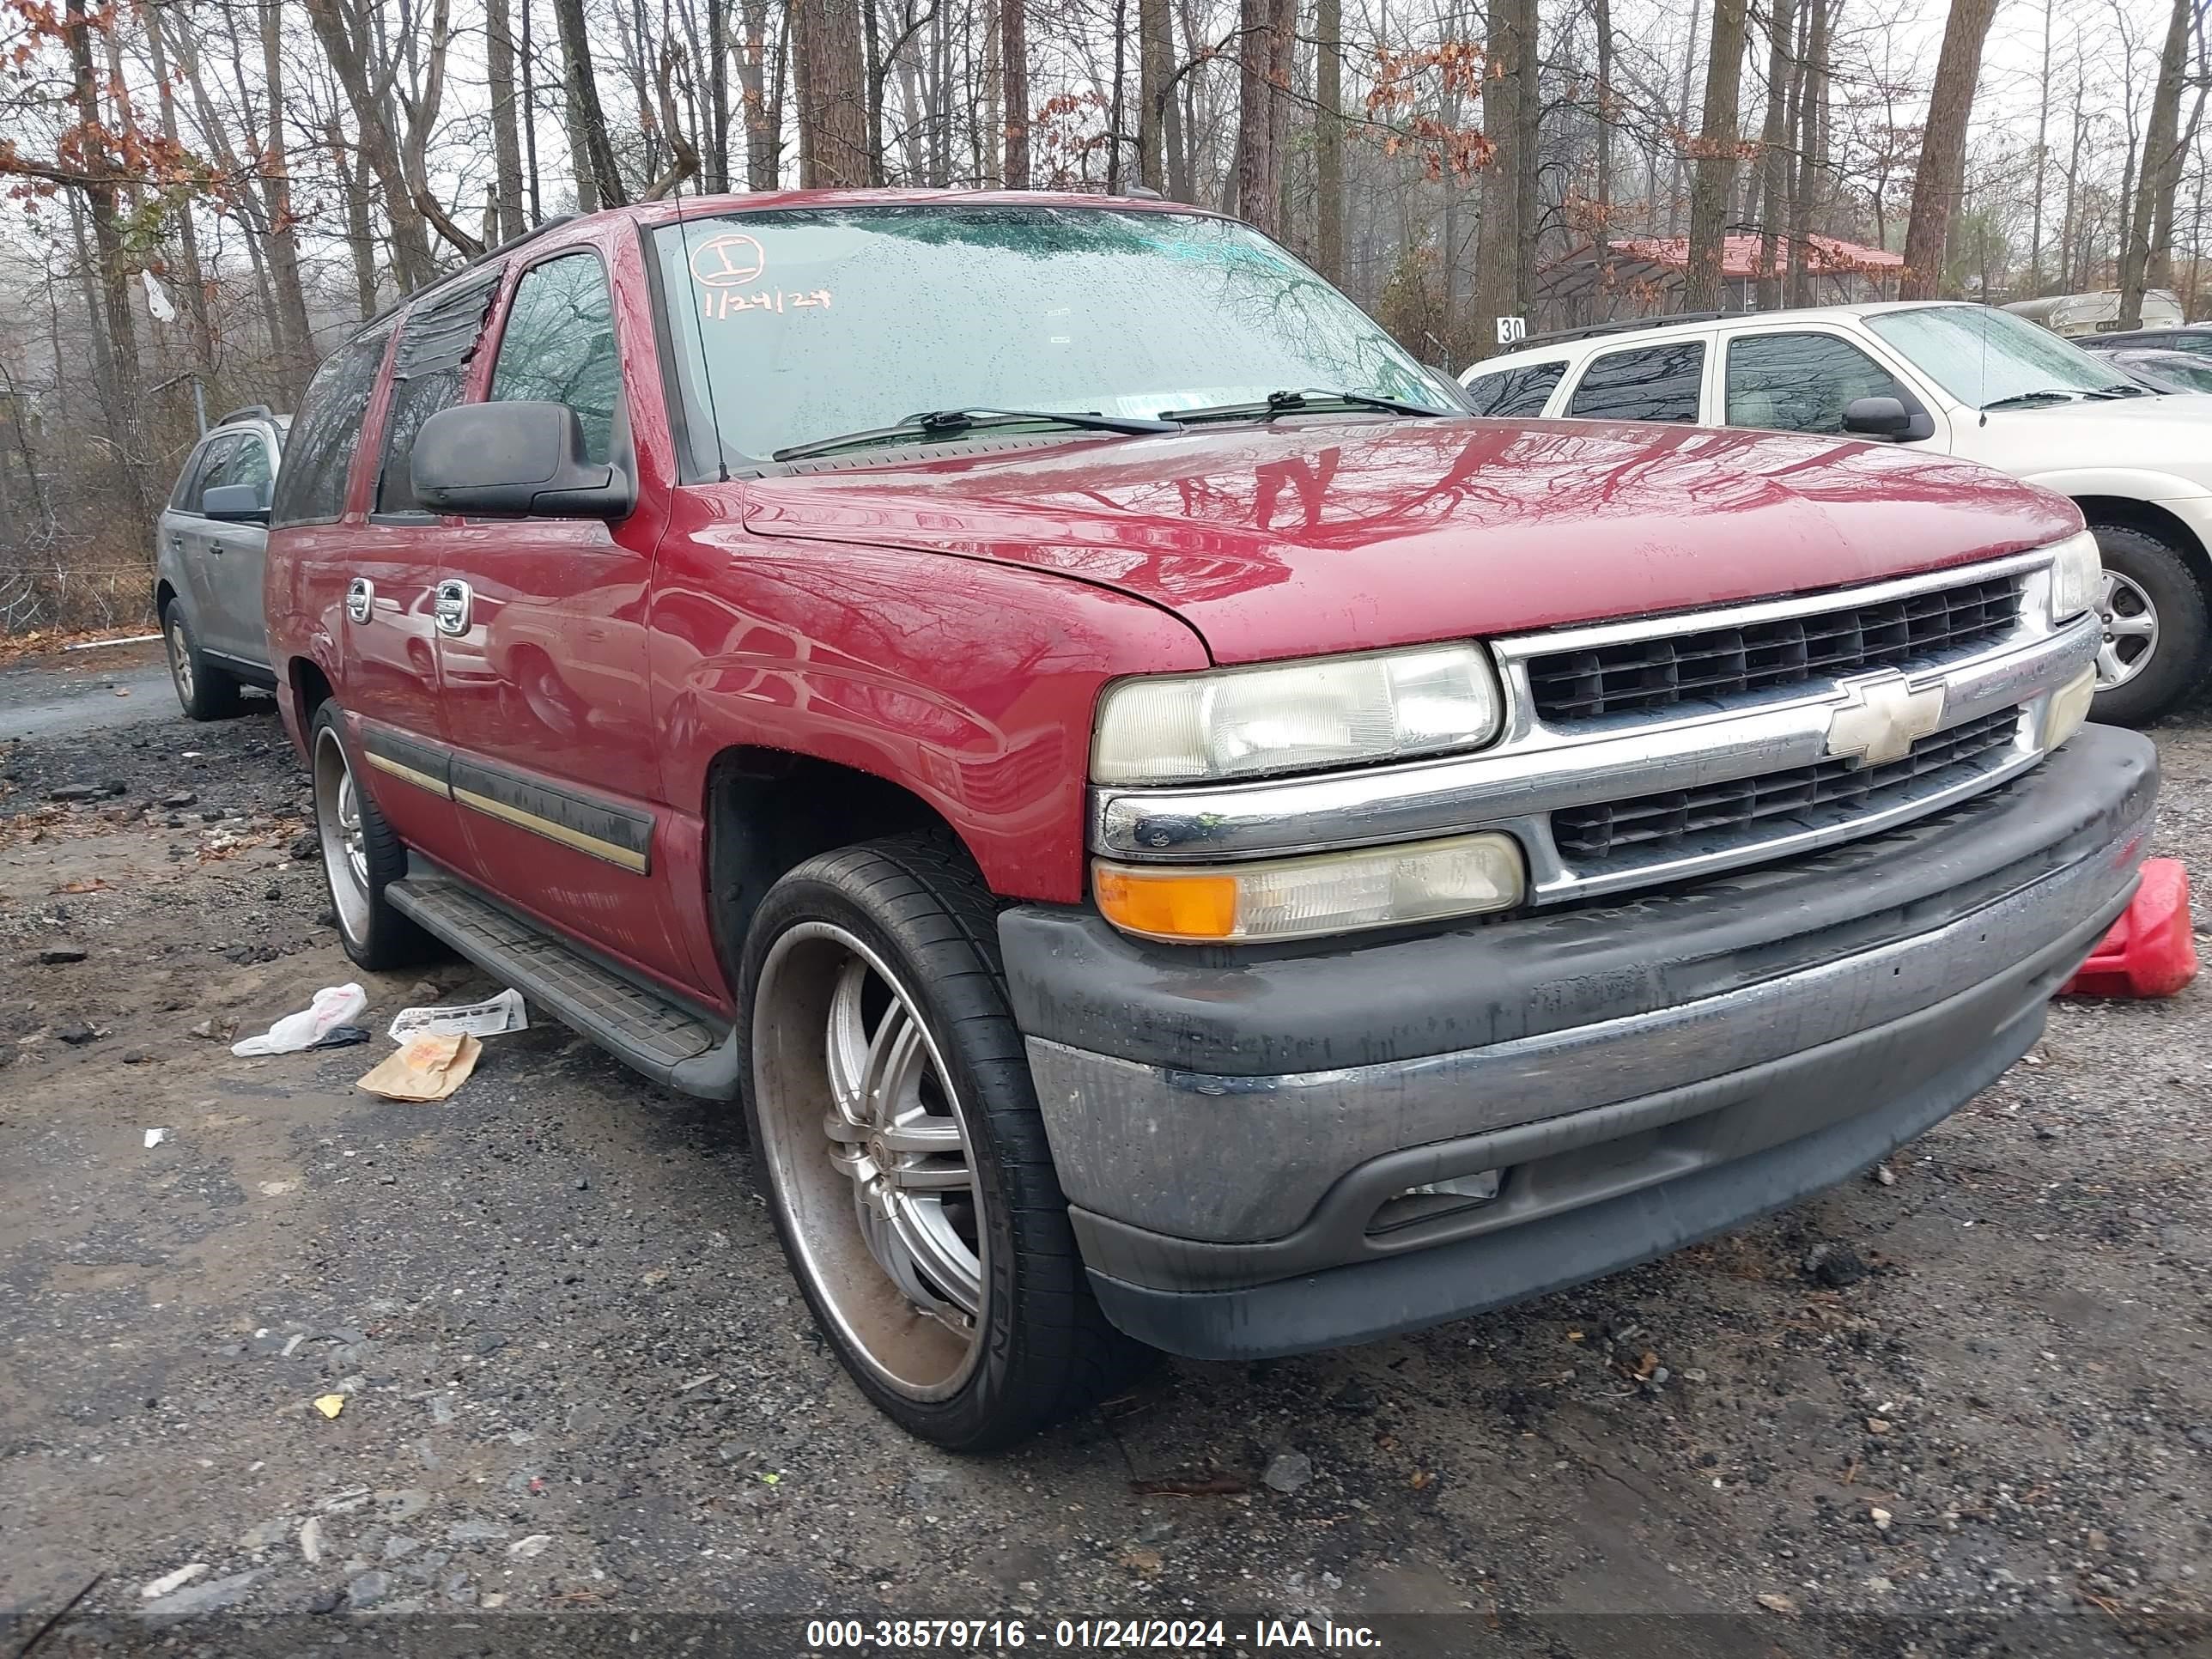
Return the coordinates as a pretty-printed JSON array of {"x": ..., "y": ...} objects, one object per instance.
[{"x": 1970, "y": 1403}]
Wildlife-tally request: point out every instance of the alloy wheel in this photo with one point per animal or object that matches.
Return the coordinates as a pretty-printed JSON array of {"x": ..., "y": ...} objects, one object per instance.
[
  {"x": 339, "y": 826},
  {"x": 181, "y": 662},
  {"x": 871, "y": 1159},
  {"x": 2130, "y": 630}
]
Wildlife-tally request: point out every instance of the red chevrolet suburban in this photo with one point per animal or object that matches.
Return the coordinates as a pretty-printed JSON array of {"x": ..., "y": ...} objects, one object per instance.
[{"x": 1178, "y": 835}]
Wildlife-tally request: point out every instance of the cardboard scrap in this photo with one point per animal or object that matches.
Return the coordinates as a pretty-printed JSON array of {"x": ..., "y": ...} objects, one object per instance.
[{"x": 424, "y": 1069}]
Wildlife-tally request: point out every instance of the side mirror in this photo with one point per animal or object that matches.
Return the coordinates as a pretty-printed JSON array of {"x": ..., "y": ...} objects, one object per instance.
[
  {"x": 513, "y": 460},
  {"x": 236, "y": 503},
  {"x": 1878, "y": 417}
]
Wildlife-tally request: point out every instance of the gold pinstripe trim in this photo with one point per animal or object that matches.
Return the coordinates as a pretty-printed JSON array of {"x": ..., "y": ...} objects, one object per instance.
[
  {"x": 634, "y": 862},
  {"x": 421, "y": 780}
]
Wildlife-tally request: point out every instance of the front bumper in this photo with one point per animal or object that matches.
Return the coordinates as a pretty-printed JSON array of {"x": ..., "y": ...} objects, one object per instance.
[{"x": 1233, "y": 1128}]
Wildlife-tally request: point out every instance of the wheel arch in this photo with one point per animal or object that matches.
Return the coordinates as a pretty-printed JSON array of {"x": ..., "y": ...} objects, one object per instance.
[
  {"x": 2127, "y": 513},
  {"x": 164, "y": 595},
  {"x": 768, "y": 811}
]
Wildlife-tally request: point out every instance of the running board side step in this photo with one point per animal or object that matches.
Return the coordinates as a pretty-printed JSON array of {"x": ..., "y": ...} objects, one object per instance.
[{"x": 645, "y": 1028}]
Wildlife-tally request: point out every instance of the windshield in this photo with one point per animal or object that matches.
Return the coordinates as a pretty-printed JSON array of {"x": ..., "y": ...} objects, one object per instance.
[
  {"x": 816, "y": 322},
  {"x": 1982, "y": 356}
]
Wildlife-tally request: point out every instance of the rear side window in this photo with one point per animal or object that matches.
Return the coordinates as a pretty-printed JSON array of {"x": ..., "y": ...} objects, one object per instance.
[
  {"x": 249, "y": 465},
  {"x": 1802, "y": 382},
  {"x": 558, "y": 346},
  {"x": 1522, "y": 392},
  {"x": 436, "y": 344},
  {"x": 312, "y": 489},
  {"x": 1653, "y": 383}
]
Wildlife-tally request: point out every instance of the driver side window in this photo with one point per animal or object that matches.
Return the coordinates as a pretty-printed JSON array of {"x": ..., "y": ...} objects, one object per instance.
[
  {"x": 1802, "y": 382},
  {"x": 559, "y": 346}
]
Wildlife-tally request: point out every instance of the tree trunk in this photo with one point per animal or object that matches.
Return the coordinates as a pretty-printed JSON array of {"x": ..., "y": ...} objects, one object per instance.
[
  {"x": 506, "y": 131},
  {"x": 360, "y": 231},
  {"x": 2042, "y": 156},
  {"x": 834, "y": 145},
  {"x": 1674, "y": 196},
  {"x": 1936, "y": 181},
  {"x": 199, "y": 325},
  {"x": 1014, "y": 68},
  {"x": 1328, "y": 137},
  {"x": 585, "y": 120},
  {"x": 1528, "y": 117},
  {"x": 1601, "y": 226},
  {"x": 716, "y": 179},
  {"x": 282, "y": 236},
  {"x": 123, "y": 389},
  {"x": 1812, "y": 90},
  {"x": 1257, "y": 173},
  {"x": 1713, "y": 183},
  {"x": 1773, "y": 176},
  {"x": 2161, "y": 168},
  {"x": 761, "y": 139},
  {"x": 1155, "y": 91},
  {"x": 1497, "y": 261}
]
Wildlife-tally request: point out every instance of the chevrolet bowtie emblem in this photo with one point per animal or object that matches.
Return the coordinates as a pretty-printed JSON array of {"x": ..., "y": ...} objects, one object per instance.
[{"x": 1882, "y": 718}]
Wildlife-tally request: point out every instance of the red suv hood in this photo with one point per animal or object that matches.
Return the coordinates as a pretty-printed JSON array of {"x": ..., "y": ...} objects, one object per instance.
[{"x": 1331, "y": 536}]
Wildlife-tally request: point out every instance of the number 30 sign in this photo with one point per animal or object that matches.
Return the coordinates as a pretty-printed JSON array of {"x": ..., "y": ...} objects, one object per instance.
[{"x": 1511, "y": 330}]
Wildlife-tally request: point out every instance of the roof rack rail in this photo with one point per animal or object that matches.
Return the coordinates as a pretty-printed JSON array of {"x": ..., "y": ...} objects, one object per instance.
[
  {"x": 485, "y": 258},
  {"x": 249, "y": 412},
  {"x": 1626, "y": 325}
]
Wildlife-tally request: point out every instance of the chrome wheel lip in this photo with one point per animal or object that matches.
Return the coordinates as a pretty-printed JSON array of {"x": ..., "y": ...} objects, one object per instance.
[
  {"x": 339, "y": 827},
  {"x": 834, "y": 1180},
  {"x": 181, "y": 662},
  {"x": 2126, "y": 613}
]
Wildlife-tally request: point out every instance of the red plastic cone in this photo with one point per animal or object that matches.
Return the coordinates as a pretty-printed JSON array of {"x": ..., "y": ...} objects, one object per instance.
[{"x": 2150, "y": 951}]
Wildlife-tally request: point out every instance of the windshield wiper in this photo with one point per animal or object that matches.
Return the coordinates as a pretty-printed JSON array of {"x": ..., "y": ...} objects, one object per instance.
[
  {"x": 2034, "y": 400},
  {"x": 2122, "y": 389},
  {"x": 1312, "y": 400},
  {"x": 950, "y": 423}
]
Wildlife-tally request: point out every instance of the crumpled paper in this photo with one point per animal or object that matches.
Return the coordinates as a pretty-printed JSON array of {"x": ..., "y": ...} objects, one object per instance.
[{"x": 424, "y": 1067}]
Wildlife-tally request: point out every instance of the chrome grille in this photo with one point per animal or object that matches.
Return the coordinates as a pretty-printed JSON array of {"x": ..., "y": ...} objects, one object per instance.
[
  {"x": 1909, "y": 630},
  {"x": 1714, "y": 816}
]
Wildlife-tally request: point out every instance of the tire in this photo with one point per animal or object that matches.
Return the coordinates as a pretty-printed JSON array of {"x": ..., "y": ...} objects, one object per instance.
[
  {"x": 916, "y": 1144},
  {"x": 204, "y": 691},
  {"x": 361, "y": 855},
  {"x": 2154, "y": 611}
]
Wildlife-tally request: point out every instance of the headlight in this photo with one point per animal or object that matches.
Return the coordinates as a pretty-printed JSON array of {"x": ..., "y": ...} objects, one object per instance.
[
  {"x": 2077, "y": 576},
  {"x": 1299, "y": 898},
  {"x": 1329, "y": 711}
]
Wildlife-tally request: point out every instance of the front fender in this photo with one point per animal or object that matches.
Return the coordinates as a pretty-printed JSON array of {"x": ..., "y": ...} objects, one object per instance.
[{"x": 970, "y": 683}]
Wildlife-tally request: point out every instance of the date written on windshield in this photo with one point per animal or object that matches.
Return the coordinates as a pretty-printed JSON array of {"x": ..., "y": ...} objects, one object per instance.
[{"x": 718, "y": 302}]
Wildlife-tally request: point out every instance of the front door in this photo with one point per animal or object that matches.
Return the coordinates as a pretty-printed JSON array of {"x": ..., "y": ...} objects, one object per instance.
[
  {"x": 542, "y": 654},
  {"x": 237, "y": 623}
]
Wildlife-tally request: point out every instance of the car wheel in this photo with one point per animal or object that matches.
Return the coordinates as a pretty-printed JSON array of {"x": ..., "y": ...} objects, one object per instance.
[
  {"x": 204, "y": 691},
  {"x": 2153, "y": 615},
  {"x": 361, "y": 855},
  {"x": 895, "y": 1128}
]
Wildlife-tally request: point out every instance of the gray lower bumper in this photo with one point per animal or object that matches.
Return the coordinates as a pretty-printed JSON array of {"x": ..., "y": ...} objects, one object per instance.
[{"x": 1846, "y": 1003}]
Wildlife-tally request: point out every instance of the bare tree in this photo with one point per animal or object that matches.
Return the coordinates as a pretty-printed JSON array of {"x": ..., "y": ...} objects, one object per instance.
[
  {"x": 1328, "y": 137},
  {"x": 1713, "y": 184},
  {"x": 1014, "y": 66},
  {"x": 506, "y": 128},
  {"x": 2161, "y": 168},
  {"x": 835, "y": 146},
  {"x": 1771, "y": 180},
  {"x": 1936, "y": 181}
]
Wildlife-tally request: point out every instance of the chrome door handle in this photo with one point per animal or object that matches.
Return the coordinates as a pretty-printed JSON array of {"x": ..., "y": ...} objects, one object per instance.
[
  {"x": 361, "y": 598},
  {"x": 450, "y": 607}
]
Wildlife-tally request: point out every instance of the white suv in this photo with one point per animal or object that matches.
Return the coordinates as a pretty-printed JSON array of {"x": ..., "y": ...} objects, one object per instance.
[{"x": 1962, "y": 379}]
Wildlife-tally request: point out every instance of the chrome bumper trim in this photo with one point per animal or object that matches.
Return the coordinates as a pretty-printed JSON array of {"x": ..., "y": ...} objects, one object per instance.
[{"x": 1535, "y": 769}]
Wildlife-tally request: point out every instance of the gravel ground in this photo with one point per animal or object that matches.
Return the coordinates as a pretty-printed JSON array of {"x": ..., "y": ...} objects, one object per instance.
[{"x": 1960, "y": 1405}]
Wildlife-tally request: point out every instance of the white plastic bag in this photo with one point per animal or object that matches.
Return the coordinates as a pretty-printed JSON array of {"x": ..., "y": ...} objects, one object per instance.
[{"x": 334, "y": 1004}]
